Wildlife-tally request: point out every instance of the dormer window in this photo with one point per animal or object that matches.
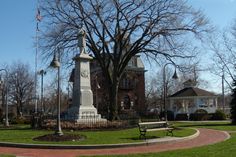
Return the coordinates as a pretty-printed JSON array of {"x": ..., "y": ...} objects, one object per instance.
[{"x": 133, "y": 62}]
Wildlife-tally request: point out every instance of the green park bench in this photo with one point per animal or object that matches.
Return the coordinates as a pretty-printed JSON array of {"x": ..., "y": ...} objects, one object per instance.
[{"x": 145, "y": 127}]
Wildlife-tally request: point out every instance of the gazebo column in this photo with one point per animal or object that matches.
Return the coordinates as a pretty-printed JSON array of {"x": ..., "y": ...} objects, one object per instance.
[
  {"x": 216, "y": 102},
  {"x": 195, "y": 104},
  {"x": 183, "y": 106},
  {"x": 186, "y": 107}
]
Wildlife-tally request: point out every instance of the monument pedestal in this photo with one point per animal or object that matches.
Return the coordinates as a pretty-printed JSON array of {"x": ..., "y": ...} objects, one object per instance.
[{"x": 82, "y": 109}]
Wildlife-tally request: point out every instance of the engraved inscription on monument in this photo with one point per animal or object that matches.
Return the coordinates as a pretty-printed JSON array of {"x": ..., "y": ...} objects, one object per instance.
[{"x": 84, "y": 73}]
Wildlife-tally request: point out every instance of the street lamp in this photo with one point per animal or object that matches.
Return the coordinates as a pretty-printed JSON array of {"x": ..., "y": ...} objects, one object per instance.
[
  {"x": 56, "y": 64},
  {"x": 6, "y": 94},
  {"x": 42, "y": 73},
  {"x": 165, "y": 84}
]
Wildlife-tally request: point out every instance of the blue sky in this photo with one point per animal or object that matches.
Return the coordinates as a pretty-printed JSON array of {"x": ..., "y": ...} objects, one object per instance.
[
  {"x": 220, "y": 12},
  {"x": 17, "y": 26},
  {"x": 17, "y": 30}
]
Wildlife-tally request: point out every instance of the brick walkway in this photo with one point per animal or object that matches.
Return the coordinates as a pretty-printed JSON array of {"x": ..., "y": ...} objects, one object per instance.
[{"x": 206, "y": 137}]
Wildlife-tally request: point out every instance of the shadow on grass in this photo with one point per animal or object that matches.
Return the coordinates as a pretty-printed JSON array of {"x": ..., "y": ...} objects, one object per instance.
[
  {"x": 138, "y": 139},
  {"x": 178, "y": 128},
  {"x": 12, "y": 127}
]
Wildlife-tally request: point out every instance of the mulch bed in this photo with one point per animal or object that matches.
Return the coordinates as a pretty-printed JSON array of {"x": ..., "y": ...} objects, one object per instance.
[{"x": 57, "y": 138}]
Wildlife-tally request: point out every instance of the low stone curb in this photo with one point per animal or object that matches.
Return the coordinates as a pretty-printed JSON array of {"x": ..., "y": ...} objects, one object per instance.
[
  {"x": 100, "y": 146},
  {"x": 228, "y": 135}
]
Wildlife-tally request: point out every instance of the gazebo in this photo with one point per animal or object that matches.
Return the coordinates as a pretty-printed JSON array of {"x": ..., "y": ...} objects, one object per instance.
[{"x": 192, "y": 99}]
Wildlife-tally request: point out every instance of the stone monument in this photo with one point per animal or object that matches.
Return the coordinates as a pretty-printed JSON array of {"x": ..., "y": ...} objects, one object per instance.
[{"x": 82, "y": 108}]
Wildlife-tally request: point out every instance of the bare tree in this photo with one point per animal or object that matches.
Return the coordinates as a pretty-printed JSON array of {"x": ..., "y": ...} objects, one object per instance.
[
  {"x": 154, "y": 88},
  {"x": 154, "y": 84},
  {"x": 50, "y": 101},
  {"x": 21, "y": 85},
  {"x": 152, "y": 95},
  {"x": 224, "y": 58},
  {"x": 120, "y": 29}
]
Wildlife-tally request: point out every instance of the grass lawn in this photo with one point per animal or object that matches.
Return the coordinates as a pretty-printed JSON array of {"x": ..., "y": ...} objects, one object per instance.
[
  {"x": 23, "y": 134},
  {"x": 1, "y": 155},
  {"x": 223, "y": 149}
]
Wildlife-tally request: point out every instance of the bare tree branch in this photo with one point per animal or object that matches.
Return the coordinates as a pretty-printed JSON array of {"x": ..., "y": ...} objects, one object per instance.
[{"x": 117, "y": 30}]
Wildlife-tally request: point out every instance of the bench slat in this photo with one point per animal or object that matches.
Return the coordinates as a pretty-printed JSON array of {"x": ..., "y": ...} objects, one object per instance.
[
  {"x": 149, "y": 123},
  {"x": 159, "y": 129}
]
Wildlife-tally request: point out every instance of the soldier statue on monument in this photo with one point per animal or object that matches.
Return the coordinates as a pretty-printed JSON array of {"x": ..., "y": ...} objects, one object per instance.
[{"x": 81, "y": 40}]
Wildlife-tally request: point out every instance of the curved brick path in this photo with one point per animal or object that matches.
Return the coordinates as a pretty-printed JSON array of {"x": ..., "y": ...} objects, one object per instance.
[{"x": 207, "y": 136}]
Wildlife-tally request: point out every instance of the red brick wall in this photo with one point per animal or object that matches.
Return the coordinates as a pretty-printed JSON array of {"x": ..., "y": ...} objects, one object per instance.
[{"x": 136, "y": 93}]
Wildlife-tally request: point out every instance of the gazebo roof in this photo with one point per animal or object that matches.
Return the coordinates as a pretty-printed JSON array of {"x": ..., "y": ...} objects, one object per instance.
[{"x": 191, "y": 92}]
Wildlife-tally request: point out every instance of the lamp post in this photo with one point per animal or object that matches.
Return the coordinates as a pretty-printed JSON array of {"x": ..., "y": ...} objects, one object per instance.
[
  {"x": 42, "y": 73},
  {"x": 56, "y": 64},
  {"x": 165, "y": 84},
  {"x": 6, "y": 98}
]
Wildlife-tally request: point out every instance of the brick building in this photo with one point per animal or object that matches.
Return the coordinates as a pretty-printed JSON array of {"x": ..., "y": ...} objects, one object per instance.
[{"x": 131, "y": 93}]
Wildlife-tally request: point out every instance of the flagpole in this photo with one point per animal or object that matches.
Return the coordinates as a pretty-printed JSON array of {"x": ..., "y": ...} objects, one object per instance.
[
  {"x": 36, "y": 67},
  {"x": 36, "y": 59}
]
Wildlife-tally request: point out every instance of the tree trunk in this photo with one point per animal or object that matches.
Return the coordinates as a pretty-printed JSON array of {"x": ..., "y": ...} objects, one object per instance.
[
  {"x": 113, "y": 97},
  {"x": 21, "y": 108},
  {"x": 17, "y": 109}
]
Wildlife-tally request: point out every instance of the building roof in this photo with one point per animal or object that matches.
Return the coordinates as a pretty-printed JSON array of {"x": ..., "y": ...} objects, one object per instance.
[{"x": 192, "y": 91}]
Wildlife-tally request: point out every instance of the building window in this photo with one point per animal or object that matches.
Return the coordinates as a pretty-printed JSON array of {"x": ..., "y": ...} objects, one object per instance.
[
  {"x": 132, "y": 62},
  {"x": 126, "y": 83}
]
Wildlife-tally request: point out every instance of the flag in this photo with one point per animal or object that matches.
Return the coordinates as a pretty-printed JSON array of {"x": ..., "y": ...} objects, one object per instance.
[{"x": 38, "y": 16}]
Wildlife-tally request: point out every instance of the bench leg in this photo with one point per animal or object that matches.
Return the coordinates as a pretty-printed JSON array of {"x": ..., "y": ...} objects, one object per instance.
[
  {"x": 169, "y": 131},
  {"x": 142, "y": 134}
]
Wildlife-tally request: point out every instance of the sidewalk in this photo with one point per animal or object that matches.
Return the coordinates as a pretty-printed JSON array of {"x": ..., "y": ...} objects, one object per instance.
[{"x": 206, "y": 137}]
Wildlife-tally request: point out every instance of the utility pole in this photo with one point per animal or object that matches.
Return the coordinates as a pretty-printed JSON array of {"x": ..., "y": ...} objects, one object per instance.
[{"x": 223, "y": 90}]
